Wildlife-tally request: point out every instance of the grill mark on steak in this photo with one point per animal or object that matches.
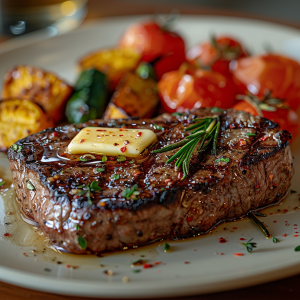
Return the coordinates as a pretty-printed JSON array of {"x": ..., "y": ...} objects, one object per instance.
[{"x": 167, "y": 207}]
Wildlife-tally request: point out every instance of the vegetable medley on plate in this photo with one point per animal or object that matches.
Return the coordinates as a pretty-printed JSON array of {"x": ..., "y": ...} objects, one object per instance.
[{"x": 150, "y": 72}]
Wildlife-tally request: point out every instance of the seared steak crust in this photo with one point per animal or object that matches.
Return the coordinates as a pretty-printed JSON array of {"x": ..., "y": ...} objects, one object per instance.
[{"x": 50, "y": 184}]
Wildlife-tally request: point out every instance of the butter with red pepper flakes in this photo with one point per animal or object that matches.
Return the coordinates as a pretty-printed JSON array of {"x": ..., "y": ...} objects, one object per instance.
[{"x": 112, "y": 141}]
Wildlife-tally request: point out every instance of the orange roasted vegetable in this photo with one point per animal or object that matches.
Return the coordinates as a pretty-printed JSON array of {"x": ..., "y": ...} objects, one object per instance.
[
  {"x": 20, "y": 118},
  {"x": 134, "y": 97},
  {"x": 44, "y": 88},
  {"x": 114, "y": 63}
]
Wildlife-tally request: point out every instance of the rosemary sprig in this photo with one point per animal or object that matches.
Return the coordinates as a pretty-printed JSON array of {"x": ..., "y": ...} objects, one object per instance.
[
  {"x": 259, "y": 224},
  {"x": 249, "y": 246},
  {"x": 205, "y": 132}
]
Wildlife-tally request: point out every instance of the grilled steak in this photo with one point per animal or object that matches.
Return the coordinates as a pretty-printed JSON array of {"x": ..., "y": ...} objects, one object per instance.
[{"x": 52, "y": 186}]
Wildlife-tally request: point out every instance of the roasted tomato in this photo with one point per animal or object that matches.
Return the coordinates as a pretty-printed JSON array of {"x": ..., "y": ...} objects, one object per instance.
[
  {"x": 216, "y": 54},
  {"x": 276, "y": 73},
  {"x": 272, "y": 109},
  {"x": 190, "y": 87},
  {"x": 163, "y": 48}
]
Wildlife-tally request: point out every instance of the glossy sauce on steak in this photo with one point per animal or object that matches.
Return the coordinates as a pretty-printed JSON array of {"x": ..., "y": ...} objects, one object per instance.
[{"x": 253, "y": 168}]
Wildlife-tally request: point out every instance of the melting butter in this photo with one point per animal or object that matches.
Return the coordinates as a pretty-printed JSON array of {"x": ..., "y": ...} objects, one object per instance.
[{"x": 112, "y": 141}]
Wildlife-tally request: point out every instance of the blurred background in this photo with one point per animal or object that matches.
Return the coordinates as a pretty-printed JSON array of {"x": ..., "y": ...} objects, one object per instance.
[{"x": 18, "y": 17}]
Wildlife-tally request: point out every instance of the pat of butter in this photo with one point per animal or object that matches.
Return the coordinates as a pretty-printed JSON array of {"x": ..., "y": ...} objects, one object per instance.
[{"x": 111, "y": 141}]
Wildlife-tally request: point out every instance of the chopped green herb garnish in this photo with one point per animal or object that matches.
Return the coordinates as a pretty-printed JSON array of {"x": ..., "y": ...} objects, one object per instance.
[
  {"x": 115, "y": 177},
  {"x": 14, "y": 147},
  {"x": 2, "y": 183},
  {"x": 80, "y": 186},
  {"x": 132, "y": 161},
  {"x": 137, "y": 262},
  {"x": 47, "y": 270},
  {"x": 83, "y": 158},
  {"x": 123, "y": 125},
  {"x": 297, "y": 249},
  {"x": 136, "y": 271},
  {"x": 30, "y": 186},
  {"x": 94, "y": 186},
  {"x": 100, "y": 170},
  {"x": 82, "y": 242},
  {"x": 158, "y": 127},
  {"x": 128, "y": 192},
  {"x": 121, "y": 158},
  {"x": 177, "y": 114},
  {"x": 81, "y": 193},
  {"x": 77, "y": 226},
  {"x": 166, "y": 247},
  {"x": 19, "y": 148},
  {"x": 162, "y": 189},
  {"x": 250, "y": 134},
  {"x": 88, "y": 194},
  {"x": 222, "y": 159},
  {"x": 104, "y": 158},
  {"x": 293, "y": 192},
  {"x": 216, "y": 109},
  {"x": 275, "y": 240},
  {"x": 249, "y": 246}
]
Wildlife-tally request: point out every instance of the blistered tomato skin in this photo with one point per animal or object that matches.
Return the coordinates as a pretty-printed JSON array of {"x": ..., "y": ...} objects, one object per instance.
[
  {"x": 190, "y": 87},
  {"x": 217, "y": 54},
  {"x": 286, "y": 118},
  {"x": 163, "y": 48},
  {"x": 276, "y": 73}
]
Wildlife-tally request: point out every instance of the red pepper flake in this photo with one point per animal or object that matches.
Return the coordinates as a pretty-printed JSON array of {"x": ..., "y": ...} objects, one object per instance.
[
  {"x": 81, "y": 141},
  {"x": 6, "y": 234},
  {"x": 137, "y": 173},
  {"x": 68, "y": 266},
  {"x": 285, "y": 210},
  {"x": 296, "y": 232},
  {"x": 238, "y": 254},
  {"x": 189, "y": 219},
  {"x": 124, "y": 127},
  {"x": 179, "y": 175},
  {"x": 271, "y": 214},
  {"x": 275, "y": 221},
  {"x": 222, "y": 240},
  {"x": 242, "y": 239},
  {"x": 76, "y": 197},
  {"x": 256, "y": 185},
  {"x": 231, "y": 126},
  {"x": 120, "y": 135},
  {"x": 234, "y": 228},
  {"x": 123, "y": 149},
  {"x": 295, "y": 228},
  {"x": 295, "y": 225},
  {"x": 274, "y": 184},
  {"x": 111, "y": 158},
  {"x": 55, "y": 134},
  {"x": 24, "y": 253},
  {"x": 126, "y": 142},
  {"x": 186, "y": 262},
  {"x": 147, "y": 266},
  {"x": 139, "y": 134},
  {"x": 285, "y": 221},
  {"x": 242, "y": 142},
  {"x": 284, "y": 235},
  {"x": 157, "y": 262},
  {"x": 295, "y": 235},
  {"x": 195, "y": 249},
  {"x": 221, "y": 253},
  {"x": 263, "y": 138}
]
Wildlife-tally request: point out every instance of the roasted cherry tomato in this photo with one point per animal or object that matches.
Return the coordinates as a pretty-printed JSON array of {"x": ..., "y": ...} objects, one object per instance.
[
  {"x": 163, "y": 48},
  {"x": 286, "y": 118},
  {"x": 276, "y": 73},
  {"x": 216, "y": 54},
  {"x": 190, "y": 87}
]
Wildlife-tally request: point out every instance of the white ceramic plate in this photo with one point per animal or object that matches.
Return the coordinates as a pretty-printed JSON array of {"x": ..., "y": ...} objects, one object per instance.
[{"x": 194, "y": 266}]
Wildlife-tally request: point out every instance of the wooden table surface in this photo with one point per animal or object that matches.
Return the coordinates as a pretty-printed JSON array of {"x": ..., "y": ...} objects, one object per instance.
[{"x": 281, "y": 289}]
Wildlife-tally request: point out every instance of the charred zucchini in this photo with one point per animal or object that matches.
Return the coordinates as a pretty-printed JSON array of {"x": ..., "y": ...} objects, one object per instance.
[
  {"x": 134, "y": 97},
  {"x": 114, "y": 63},
  {"x": 90, "y": 97},
  {"x": 44, "y": 88},
  {"x": 20, "y": 118}
]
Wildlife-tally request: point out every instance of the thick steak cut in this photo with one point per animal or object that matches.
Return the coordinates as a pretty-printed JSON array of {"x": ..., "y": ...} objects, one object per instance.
[{"x": 52, "y": 187}]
